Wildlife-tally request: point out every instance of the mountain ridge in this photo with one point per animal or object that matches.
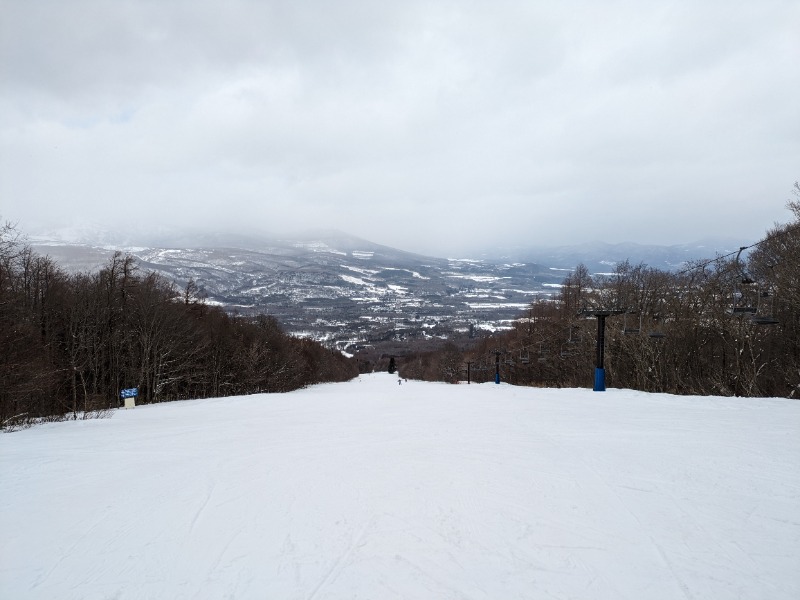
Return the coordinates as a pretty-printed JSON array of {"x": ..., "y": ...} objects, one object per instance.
[{"x": 348, "y": 291}]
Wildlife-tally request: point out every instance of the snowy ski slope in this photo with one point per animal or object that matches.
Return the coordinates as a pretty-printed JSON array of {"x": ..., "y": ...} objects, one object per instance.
[{"x": 375, "y": 490}]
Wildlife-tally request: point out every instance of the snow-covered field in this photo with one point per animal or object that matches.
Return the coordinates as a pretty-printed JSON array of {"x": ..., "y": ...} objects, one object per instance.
[{"x": 375, "y": 490}]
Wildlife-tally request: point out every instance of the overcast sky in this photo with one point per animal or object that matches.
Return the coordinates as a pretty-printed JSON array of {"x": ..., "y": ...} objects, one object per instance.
[{"x": 430, "y": 126}]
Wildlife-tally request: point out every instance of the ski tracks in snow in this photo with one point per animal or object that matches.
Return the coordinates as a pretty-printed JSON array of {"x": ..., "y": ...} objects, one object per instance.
[
  {"x": 209, "y": 493},
  {"x": 343, "y": 560},
  {"x": 641, "y": 529}
]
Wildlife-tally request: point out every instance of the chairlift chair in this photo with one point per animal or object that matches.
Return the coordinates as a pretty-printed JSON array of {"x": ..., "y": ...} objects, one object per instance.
[
  {"x": 764, "y": 320},
  {"x": 656, "y": 333},
  {"x": 630, "y": 330},
  {"x": 566, "y": 352},
  {"x": 743, "y": 291},
  {"x": 763, "y": 315},
  {"x": 740, "y": 304},
  {"x": 573, "y": 337}
]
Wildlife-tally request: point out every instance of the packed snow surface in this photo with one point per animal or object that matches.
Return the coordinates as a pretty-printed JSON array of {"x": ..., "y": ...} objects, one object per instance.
[{"x": 370, "y": 489}]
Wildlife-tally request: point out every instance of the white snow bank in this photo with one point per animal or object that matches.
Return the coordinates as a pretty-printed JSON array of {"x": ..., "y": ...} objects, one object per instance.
[{"x": 371, "y": 489}]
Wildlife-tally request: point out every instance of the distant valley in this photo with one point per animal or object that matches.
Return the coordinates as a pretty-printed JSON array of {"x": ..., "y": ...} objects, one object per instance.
[{"x": 350, "y": 293}]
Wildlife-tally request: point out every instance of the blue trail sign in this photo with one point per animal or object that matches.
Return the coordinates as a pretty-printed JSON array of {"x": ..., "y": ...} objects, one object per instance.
[{"x": 129, "y": 393}]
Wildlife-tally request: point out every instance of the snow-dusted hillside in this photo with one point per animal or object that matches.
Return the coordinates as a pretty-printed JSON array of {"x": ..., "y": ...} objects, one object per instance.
[
  {"x": 351, "y": 292},
  {"x": 371, "y": 489},
  {"x": 340, "y": 289}
]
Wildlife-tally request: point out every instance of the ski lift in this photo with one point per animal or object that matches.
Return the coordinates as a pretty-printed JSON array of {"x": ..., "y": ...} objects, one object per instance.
[
  {"x": 524, "y": 358},
  {"x": 763, "y": 315},
  {"x": 764, "y": 320},
  {"x": 656, "y": 333},
  {"x": 574, "y": 336},
  {"x": 544, "y": 352},
  {"x": 632, "y": 329},
  {"x": 740, "y": 304},
  {"x": 743, "y": 291}
]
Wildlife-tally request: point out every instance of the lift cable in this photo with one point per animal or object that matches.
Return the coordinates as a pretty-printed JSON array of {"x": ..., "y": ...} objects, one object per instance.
[{"x": 704, "y": 264}]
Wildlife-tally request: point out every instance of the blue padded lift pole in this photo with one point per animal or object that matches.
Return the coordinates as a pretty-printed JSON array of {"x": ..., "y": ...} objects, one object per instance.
[
  {"x": 600, "y": 314},
  {"x": 599, "y": 380},
  {"x": 600, "y": 372}
]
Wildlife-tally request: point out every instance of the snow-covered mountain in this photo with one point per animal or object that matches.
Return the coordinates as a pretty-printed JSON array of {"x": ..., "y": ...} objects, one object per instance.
[
  {"x": 337, "y": 287},
  {"x": 349, "y": 291}
]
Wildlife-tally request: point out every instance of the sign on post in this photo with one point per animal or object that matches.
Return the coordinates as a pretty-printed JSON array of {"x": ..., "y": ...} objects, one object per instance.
[{"x": 129, "y": 396}]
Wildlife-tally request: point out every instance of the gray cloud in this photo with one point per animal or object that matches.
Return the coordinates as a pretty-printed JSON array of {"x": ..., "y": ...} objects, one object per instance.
[{"x": 435, "y": 127}]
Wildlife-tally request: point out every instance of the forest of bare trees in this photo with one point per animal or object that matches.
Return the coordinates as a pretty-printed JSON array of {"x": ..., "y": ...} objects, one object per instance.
[
  {"x": 69, "y": 343},
  {"x": 728, "y": 326}
]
